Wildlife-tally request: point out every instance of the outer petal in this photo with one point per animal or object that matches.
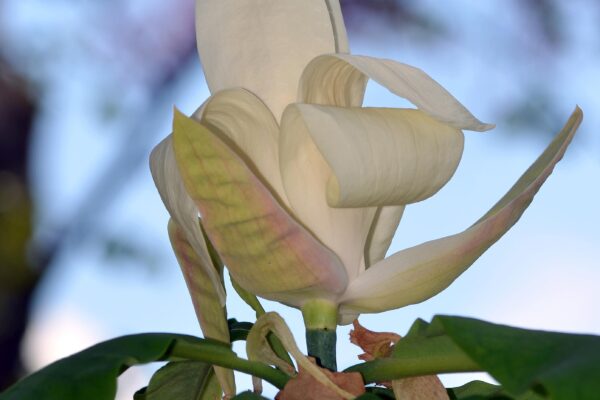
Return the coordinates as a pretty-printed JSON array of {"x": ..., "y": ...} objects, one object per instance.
[
  {"x": 262, "y": 46},
  {"x": 246, "y": 124},
  {"x": 264, "y": 248},
  {"x": 181, "y": 207},
  {"x": 210, "y": 313},
  {"x": 340, "y": 79},
  {"x": 377, "y": 156},
  {"x": 416, "y": 274}
]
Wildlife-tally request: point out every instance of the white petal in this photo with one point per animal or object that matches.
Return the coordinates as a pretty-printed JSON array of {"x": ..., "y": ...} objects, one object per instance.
[
  {"x": 305, "y": 174},
  {"x": 351, "y": 73},
  {"x": 378, "y": 156},
  {"x": 381, "y": 233},
  {"x": 249, "y": 128},
  {"x": 180, "y": 206},
  {"x": 416, "y": 274},
  {"x": 262, "y": 46}
]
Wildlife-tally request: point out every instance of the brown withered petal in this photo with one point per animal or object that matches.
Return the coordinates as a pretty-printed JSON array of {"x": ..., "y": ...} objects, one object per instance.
[
  {"x": 305, "y": 387},
  {"x": 374, "y": 344}
]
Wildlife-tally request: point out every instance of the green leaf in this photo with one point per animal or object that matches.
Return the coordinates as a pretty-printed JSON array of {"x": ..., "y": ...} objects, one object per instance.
[
  {"x": 184, "y": 380},
  {"x": 553, "y": 365},
  {"x": 92, "y": 374},
  {"x": 248, "y": 396},
  {"x": 559, "y": 365},
  {"x": 479, "y": 390}
]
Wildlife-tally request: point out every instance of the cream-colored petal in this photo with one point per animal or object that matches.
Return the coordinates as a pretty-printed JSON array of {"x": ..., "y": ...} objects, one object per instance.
[
  {"x": 305, "y": 174},
  {"x": 339, "y": 28},
  {"x": 340, "y": 80},
  {"x": 378, "y": 156},
  {"x": 418, "y": 273},
  {"x": 247, "y": 126},
  {"x": 211, "y": 315},
  {"x": 262, "y": 46},
  {"x": 180, "y": 206},
  {"x": 266, "y": 251},
  {"x": 427, "y": 387},
  {"x": 382, "y": 232}
]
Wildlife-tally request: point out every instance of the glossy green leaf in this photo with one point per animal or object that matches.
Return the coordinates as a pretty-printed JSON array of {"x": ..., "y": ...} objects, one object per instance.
[
  {"x": 184, "y": 380},
  {"x": 381, "y": 393}
]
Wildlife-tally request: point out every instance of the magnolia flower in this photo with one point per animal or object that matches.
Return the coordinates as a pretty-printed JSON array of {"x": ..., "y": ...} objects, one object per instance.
[{"x": 298, "y": 187}]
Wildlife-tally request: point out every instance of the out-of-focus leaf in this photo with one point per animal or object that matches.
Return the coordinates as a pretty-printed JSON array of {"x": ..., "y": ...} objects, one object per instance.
[{"x": 183, "y": 380}]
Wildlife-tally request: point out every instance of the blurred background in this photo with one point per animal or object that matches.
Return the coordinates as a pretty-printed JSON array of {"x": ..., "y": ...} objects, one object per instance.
[{"x": 87, "y": 89}]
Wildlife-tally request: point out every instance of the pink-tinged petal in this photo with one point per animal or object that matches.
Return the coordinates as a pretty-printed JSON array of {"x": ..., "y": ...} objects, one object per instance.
[
  {"x": 267, "y": 252},
  {"x": 181, "y": 207},
  {"x": 340, "y": 80},
  {"x": 211, "y": 315},
  {"x": 416, "y": 274},
  {"x": 263, "y": 45}
]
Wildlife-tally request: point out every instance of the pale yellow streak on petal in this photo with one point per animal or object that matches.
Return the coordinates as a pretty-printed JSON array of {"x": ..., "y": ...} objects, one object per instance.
[{"x": 416, "y": 274}]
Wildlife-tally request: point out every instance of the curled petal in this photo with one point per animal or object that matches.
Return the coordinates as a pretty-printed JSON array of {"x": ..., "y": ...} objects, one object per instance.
[
  {"x": 377, "y": 156},
  {"x": 265, "y": 249},
  {"x": 210, "y": 313},
  {"x": 262, "y": 46},
  {"x": 416, "y": 274},
  {"x": 340, "y": 80},
  {"x": 181, "y": 207}
]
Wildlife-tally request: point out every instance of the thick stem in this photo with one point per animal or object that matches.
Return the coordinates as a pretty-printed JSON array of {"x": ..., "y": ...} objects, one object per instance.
[{"x": 320, "y": 319}]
